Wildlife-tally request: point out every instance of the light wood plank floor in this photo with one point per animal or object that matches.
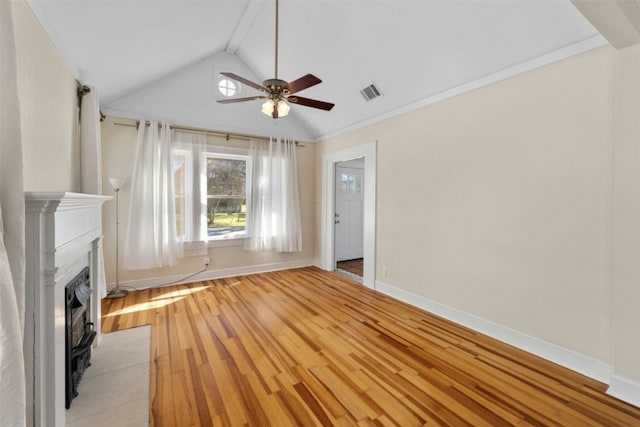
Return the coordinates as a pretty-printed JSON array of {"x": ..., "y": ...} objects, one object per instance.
[
  {"x": 306, "y": 347},
  {"x": 353, "y": 266}
]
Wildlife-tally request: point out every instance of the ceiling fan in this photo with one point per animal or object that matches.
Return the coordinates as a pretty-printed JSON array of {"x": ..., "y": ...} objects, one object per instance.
[{"x": 280, "y": 93}]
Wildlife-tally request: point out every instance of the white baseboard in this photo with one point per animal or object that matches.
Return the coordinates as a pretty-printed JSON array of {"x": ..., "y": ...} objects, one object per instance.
[
  {"x": 624, "y": 389},
  {"x": 176, "y": 279},
  {"x": 562, "y": 356}
]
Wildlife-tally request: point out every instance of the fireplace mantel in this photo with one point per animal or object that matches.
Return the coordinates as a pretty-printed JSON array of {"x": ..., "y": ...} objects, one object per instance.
[{"x": 63, "y": 235}]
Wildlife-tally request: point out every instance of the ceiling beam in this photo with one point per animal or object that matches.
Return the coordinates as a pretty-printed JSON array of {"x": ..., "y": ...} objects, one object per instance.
[
  {"x": 617, "y": 20},
  {"x": 243, "y": 26}
]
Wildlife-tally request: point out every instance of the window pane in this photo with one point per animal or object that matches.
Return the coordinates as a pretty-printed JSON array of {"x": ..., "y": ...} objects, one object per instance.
[
  {"x": 226, "y": 177},
  {"x": 226, "y": 215},
  {"x": 227, "y": 87},
  {"x": 226, "y": 196}
]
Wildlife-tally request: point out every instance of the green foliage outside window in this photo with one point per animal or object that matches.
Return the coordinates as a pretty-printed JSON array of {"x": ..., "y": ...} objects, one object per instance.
[{"x": 226, "y": 193}]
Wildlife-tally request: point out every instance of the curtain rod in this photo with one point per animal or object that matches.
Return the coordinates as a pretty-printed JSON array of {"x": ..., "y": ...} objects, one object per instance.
[
  {"x": 227, "y": 136},
  {"x": 81, "y": 91}
]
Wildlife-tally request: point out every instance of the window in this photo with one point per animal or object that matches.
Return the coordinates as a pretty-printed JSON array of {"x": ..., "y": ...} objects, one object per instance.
[
  {"x": 226, "y": 197},
  {"x": 227, "y": 87},
  {"x": 351, "y": 183},
  {"x": 210, "y": 192}
]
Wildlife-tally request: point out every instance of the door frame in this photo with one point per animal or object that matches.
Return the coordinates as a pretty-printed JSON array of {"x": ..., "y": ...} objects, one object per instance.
[{"x": 327, "y": 242}]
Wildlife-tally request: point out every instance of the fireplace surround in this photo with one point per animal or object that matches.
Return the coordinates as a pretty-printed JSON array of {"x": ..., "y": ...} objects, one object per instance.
[{"x": 63, "y": 237}]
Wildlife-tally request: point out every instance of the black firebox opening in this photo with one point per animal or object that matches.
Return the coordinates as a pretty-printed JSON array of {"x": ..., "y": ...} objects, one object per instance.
[{"x": 79, "y": 332}]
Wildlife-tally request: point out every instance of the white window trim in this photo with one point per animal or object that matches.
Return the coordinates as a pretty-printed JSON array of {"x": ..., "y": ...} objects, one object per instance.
[
  {"x": 195, "y": 248},
  {"x": 233, "y": 151},
  {"x": 202, "y": 248},
  {"x": 224, "y": 243}
]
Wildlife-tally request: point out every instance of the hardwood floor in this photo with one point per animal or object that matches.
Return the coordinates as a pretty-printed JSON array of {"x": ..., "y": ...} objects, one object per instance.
[
  {"x": 353, "y": 266},
  {"x": 306, "y": 347}
]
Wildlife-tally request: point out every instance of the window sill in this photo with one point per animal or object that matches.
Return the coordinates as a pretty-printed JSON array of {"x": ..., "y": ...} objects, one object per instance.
[
  {"x": 201, "y": 248},
  {"x": 221, "y": 243}
]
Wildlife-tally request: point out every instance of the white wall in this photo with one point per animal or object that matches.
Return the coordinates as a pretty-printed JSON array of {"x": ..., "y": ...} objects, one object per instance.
[
  {"x": 118, "y": 152},
  {"x": 499, "y": 203},
  {"x": 626, "y": 286},
  {"x": 188, "y": 96},
  {"x": 48, "y": 107},
  {"x": 47, "y": 97}
]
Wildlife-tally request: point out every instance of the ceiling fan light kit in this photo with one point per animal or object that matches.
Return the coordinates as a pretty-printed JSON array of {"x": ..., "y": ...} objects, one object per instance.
[
  {"x": 281, "y": 106},
  {"x": 278, "y": 92}
]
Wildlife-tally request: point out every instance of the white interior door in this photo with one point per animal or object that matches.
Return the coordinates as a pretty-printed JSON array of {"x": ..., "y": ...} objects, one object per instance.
[{"x": 349, "y": 210}]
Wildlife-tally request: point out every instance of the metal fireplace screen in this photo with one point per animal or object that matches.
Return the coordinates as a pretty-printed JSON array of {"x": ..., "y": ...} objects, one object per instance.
[{"x": 79, "y": 332}]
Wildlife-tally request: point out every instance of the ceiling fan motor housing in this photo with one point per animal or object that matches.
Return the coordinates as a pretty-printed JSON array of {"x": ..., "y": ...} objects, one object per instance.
[{"x": 276, "y": 86}]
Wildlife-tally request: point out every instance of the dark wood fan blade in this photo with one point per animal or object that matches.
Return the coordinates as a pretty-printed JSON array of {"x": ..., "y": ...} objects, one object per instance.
[
  {"x": 302, "y": 83},
  {"x": 243, "y": 80},
  {"x": 232, "y": 100},
  {"x": 314, "y": 103}
]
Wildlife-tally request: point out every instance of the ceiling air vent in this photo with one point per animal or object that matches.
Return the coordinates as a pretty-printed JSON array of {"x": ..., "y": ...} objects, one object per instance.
[{"x": 370, "y": 92}]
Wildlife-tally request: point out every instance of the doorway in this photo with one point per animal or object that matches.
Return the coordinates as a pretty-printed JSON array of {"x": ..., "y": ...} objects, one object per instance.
[
  {"x": 330, "y": 162},
  {"x": 349, "y": 218}
]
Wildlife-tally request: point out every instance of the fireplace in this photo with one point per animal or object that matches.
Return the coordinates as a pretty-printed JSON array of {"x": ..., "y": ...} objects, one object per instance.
[
  {"x": 64, "y": 245},
  {"x": 79, "y": 332}
]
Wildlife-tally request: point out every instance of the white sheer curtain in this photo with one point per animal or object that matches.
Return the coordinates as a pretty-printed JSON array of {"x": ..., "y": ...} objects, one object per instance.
[
  {"x": 90, "y": 145},
  {"x": 90, "y": 165},
  {"x": 12, "y": 240},
  {"x": 190, "y": 166},
  {"x": 151, "y": 240},
  {"x": 273, "y": 206}
]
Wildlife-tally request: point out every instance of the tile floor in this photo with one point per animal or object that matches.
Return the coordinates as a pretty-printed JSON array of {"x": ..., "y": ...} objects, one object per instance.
[{"x": 114, "y": 390}]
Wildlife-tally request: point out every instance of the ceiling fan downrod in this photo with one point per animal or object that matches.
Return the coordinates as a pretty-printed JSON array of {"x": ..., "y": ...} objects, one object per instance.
[
  {"x": 277, "y": 7},
  {"x": 277, "y": 87}
]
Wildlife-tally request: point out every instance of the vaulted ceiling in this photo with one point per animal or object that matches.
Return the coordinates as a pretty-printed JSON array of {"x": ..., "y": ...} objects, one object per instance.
[{"x": 161, "y": 59}]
